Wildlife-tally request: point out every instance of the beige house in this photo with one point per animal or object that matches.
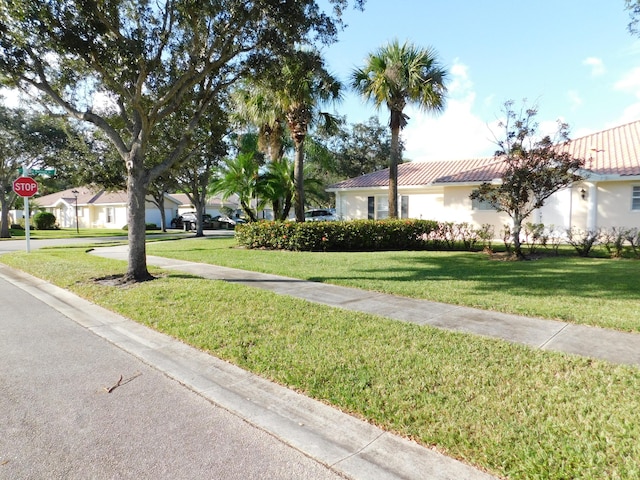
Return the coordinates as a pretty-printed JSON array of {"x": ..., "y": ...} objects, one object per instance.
[
  {"x": 96, "y": 208},
  {"x": 609, "y": 195}
]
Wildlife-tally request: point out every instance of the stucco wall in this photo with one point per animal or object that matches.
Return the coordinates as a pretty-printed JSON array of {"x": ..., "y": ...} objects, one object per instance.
[
  {"x": 564, "y": 209},
  {"x": 614, "y": 205}
]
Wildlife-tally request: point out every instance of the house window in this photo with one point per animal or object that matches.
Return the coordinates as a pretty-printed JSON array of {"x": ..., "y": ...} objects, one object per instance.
[
  {"x": 371, "y": 208},
  {"x": 479, "y": 204},
  {"x": 110, "y": 215},
  {"x": 404, "y": 206},
  {"x": 382, "y": 207},
  {"x": 635, "y": 198}
]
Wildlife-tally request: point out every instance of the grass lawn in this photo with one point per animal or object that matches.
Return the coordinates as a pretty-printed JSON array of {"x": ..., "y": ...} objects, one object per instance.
[
  {"x": 590, "y": 291},
  {"x": 17, "y": 234},
  {"x": 513, "y": 411}
]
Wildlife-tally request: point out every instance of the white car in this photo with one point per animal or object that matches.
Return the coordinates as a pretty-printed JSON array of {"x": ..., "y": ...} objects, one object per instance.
[{"x": 319, "y": 214}]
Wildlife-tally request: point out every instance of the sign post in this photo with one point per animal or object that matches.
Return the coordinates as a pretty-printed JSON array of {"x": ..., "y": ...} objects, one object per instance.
[{"x": 26, "y": 187}]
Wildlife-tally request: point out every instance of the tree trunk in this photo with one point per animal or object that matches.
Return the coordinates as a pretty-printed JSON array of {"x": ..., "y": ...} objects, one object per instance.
[
  {"x": 394, "y": 159},
  {"x": 4, "y": 218},
  {"x": 298, "y": 179},
  {"x": 136, "y": 194},
  {"x": 163, "y": 220},
  {"x": 517, "y": 246},
  {"x": 199, "y": 214}
]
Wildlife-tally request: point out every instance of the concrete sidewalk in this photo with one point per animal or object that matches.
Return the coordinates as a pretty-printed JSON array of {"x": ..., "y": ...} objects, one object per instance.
[
  {"x": 610, "y": 345},
  {"x": 346, "y": 445}
]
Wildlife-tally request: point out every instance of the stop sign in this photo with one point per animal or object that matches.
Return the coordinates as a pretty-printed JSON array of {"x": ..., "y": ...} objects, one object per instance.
[{"x": 25, "y": 186}]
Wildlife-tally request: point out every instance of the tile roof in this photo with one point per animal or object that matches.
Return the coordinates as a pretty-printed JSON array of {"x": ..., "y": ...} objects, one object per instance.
[
  {"x": 615, "y": 151},
  {"x": 415, "y": 173},
  {"x": 611, "y": 152}
]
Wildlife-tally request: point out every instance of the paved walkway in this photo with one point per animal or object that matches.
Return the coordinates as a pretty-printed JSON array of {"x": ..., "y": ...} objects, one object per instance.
[{"x": 611, "y": 345}]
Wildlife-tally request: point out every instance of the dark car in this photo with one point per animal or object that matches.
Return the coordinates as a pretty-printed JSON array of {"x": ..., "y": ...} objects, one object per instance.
[
  {"x": 225, "y": 222},
  {"x": 187, "y": 221}
]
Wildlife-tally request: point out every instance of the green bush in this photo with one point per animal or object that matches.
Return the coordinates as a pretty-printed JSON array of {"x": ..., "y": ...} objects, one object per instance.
[
  {"x": 357, "y": 235},
  {"x": 44, "y": 221}
]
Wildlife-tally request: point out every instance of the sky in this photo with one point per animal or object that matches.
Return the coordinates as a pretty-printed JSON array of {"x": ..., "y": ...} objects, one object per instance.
[{"x": 574, "y": 59}]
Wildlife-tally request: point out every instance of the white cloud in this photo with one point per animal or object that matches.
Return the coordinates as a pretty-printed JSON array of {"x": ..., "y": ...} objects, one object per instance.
[
  {"x": 596, "y": 64},
  {"x": 630, "y": 82},
  {"x": 455, "y": 134},
  {"x": 574, "y": 99}
]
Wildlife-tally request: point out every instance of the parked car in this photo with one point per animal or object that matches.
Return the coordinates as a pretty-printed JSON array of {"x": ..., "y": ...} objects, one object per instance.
[
  {"x": 320, "y": 214},
  {"x": 188, "y": 221},
  {"x": 223, "y": 221}
]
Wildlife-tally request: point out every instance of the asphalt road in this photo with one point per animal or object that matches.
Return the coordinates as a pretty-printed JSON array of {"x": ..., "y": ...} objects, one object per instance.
[{"x": 59, "y": 422}]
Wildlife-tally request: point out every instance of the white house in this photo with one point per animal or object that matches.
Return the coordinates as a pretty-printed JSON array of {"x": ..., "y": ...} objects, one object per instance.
[
  {"x": 609, "y": 195},
  {"x": 95, "y": 208}
]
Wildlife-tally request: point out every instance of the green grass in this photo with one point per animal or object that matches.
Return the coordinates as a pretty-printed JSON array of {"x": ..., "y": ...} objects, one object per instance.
[
  {"x": 17, "y": 234},
  {"x": 513, "y": 411},
  {"x": 66, "y": 233},
  {"x": 589, "y": 291}
]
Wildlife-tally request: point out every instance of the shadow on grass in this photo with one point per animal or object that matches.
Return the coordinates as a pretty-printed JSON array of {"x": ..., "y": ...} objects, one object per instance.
[{"x": 581, "y": 277}]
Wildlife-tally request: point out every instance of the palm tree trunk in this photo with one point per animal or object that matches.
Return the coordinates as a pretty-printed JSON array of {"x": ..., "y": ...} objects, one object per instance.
[
  {"x": 394, "y": 159},
  {"x": 298, "y": 178}
]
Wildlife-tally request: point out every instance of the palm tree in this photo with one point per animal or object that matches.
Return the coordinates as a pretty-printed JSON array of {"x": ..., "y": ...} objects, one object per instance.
[
  {"x": 240, "y": 176},
  {"x": 397, "y": 75},
  {"x": 303, "y": 86}
]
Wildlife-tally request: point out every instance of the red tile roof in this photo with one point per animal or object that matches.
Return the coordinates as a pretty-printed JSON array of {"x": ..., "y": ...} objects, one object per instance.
[
  {"x": 611, "y": 152},
  {"x": 415, "y": 173}
]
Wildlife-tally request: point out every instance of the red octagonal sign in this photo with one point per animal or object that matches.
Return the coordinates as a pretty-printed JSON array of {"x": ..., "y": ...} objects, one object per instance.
[{"x": 25, "y": 186}]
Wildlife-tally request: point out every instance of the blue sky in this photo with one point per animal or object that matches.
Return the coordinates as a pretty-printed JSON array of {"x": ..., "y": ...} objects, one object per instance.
[{"x": 575, "y": 59}]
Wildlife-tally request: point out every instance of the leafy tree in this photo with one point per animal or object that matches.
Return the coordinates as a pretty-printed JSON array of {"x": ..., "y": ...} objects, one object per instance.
[
  {"x": 633, "y": 7},
  {"x": 397, "y": 75},
  {"x": 361, "y": 148},
  {"x": 32, "y": 140},
  {"x": 148, "y": 59},
  {"x": 535, "y": 168},
  {"x": 198, "y": 170}
]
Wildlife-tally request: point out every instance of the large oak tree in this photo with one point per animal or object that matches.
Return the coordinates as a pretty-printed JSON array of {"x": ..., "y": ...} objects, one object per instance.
[{"x": 146, "y": 59}]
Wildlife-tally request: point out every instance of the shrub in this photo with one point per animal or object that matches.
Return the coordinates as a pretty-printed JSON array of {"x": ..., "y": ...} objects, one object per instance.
[
  {"x": 357, "y": 235},
  {"x": 44, "y": 221},
  {"x": 613, "y": 241},
  {"x": 582, "y": 240}
]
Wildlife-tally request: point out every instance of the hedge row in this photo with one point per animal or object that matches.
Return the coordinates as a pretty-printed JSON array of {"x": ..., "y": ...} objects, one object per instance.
[{"x": 359, "y": 235}]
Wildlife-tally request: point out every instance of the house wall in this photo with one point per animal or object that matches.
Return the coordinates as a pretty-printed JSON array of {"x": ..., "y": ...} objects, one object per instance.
[
  {"x": 606, "y": 204},
  {"x": 614, "y": 204}
]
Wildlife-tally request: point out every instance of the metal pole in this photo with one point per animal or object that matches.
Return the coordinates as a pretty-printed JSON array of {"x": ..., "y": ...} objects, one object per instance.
[
  {"x": 27, "y": 215},
  {"x": 27, "y": 226}
]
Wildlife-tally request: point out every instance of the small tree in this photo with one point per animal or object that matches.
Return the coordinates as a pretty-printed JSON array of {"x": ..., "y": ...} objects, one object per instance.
[{"x": 535, "y": 168}]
